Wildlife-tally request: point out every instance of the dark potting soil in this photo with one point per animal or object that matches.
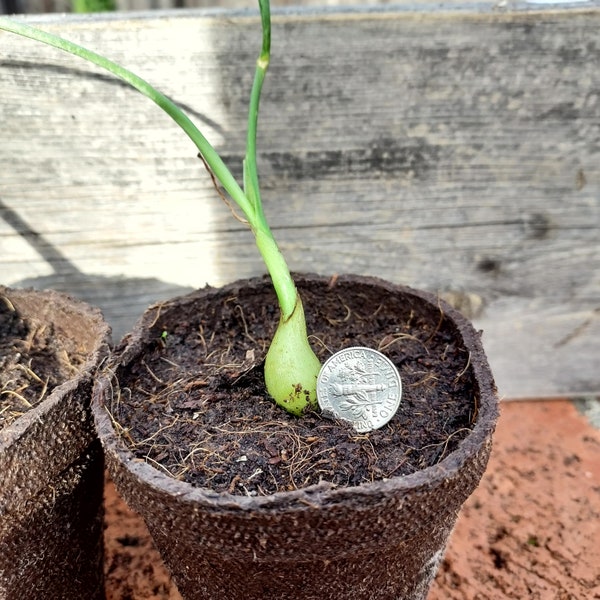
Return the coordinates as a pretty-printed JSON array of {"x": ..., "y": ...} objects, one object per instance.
[
  {"x": 195, "y": 405},
  {"x": 32, "y": 363}
]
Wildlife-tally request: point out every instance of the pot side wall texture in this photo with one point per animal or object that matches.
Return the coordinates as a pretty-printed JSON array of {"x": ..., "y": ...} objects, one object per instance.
[
  {"x": 378, "y": 541},
  {"x": 52, "y": 469}
]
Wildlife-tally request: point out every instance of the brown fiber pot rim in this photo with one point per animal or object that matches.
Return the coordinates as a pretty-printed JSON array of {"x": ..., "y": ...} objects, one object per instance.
[
  {"x": 323, "y": 494},
  {"x": 96, "y": 352}
]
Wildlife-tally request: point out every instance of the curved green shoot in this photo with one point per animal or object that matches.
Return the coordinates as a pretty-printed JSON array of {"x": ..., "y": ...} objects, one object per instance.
[
  {"x": 168, "y": 106},
  {"x": 291, "y": 367}
]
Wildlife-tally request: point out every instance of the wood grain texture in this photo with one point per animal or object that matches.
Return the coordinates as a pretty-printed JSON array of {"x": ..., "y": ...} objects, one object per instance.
[
  {"x": 62, "y": 6},
  {"x": 453, "y": 149}
]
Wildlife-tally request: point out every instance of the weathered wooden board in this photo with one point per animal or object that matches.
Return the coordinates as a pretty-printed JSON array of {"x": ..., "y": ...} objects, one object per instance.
[
  {"x": 454, "y": 149},
  {"x": 47, "y": 6}
]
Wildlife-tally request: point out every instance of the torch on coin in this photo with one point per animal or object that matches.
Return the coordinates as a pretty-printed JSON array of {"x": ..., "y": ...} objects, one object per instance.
[{"x": 359, "y": 385}]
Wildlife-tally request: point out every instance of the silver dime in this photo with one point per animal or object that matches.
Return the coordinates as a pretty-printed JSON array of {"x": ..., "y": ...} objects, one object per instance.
[{"x": 359, "y": 385}]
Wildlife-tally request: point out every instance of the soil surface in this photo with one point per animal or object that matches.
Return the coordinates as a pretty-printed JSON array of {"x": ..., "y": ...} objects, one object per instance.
[
  {"x": 196, "y": 404},
  {"x": 32, "y": 363},
  {"x": 530, "y": 530}
]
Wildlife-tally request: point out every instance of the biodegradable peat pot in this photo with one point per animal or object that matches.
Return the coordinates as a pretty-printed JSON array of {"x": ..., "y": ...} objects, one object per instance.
[
  {"x": 377, "y": 540},
  {"x": 51, "y": 463}
]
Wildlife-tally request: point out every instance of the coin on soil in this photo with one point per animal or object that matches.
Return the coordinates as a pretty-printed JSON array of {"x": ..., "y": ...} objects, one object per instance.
[{"x": 359, "y": 385}]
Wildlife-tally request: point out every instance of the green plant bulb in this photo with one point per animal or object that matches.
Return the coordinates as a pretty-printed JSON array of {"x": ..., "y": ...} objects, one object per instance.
[{"x": 291, "y": 366}]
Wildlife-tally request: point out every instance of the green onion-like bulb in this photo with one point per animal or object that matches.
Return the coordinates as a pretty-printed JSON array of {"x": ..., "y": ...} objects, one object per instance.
[{"x": 291, "y": 366}]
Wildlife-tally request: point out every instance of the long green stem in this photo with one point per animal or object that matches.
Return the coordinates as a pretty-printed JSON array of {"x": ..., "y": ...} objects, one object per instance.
[
  {"x": 283, "y": 283},
  {"x": 249, "y": 199},
  {"x": 251, "y": 185},
  {"x": 291, "y": 367},
  {"x": 208, "y": 152}
]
